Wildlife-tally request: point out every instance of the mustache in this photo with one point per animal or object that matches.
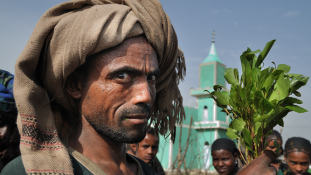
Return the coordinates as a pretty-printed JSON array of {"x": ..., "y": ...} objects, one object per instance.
[{"x": 138, "y": 109}]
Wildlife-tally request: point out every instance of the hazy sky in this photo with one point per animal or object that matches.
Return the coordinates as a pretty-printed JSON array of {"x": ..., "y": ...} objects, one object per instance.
[{"x": 238, "y": 25}]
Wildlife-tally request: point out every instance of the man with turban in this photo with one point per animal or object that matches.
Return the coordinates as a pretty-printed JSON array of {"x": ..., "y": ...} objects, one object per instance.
[
  {"x": 9, "y": 136},
  {"x": 90, "y": 77}
]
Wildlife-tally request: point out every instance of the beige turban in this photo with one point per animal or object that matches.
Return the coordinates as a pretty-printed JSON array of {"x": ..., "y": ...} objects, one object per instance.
[{"x": 61, "y": 41}]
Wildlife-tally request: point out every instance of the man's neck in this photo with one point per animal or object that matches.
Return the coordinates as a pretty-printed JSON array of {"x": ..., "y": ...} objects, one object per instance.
[{"x": 110, "y": 156}]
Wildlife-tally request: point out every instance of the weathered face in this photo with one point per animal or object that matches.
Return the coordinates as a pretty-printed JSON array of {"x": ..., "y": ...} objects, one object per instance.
[
  {"x": 120, "y": 91},
  {"x": 148, "y": 148},
  {"x": 298, "y": 162},
  {"x": 224, "y": 161}
]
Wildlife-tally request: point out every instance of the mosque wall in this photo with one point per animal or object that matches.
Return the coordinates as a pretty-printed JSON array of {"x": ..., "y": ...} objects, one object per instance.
[{"x": 206, "y": 75}]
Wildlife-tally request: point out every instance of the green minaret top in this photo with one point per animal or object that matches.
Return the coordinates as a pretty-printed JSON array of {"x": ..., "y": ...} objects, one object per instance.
[{"x": 212, "y": 56}]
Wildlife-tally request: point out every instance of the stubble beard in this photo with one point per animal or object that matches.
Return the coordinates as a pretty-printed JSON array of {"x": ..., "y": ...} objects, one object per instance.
[{"x": 120, "y": 134}]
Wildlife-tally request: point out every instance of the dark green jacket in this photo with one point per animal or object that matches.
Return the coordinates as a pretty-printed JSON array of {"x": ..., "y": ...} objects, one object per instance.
[{"x": 16, "y": 167}]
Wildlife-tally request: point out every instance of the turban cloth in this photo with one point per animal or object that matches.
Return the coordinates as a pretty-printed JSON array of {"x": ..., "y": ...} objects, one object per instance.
[
  {"x": 225, "y": 144},
  {"x": 63, "y": 38},
  {"x": 295, "y": 144},
  {"x": 7, "y": 102}
]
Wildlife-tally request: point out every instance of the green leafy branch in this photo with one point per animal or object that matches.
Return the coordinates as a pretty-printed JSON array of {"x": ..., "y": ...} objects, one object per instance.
[{"x": 258, "y": 100}]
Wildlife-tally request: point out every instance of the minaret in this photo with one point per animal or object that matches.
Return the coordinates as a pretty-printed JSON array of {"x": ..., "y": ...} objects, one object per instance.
[
  {"x": 209, "y": 123},
  {"x": 212, "y": 56},
  {"x": 211, "y": 73}
]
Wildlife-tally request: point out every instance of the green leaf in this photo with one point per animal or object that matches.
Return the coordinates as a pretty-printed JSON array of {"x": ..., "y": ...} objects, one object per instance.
[
  {"x": 263, "y": 76},
  {"x": 238, "y": 124},
  {"x": 254, "y": 52},
  {"x": 257, "y": 138},
  {"x": 281, "y": 88},
  {"x": 257, "y": 98},
  {"x": 276, "y": 144},
  {"x": 268, "y": 83},
  {"x": 226, "y": 95},
  {"x": 296, "y": 108},
  {"x": 294, "y": 75},
  {"x": 257, "y": 126},
  {"x": 236, "y": 74},
  {"x": 265, "y": 106},
  {"x": 220, "y": 98},
  {"x": 230, "y": 76},
  {"x": 297, "y": 93},
  {"x": 278, "y": 112},
  {"x": 290, "y": 101},
  {"x": 301, "y": 82},
  {"x": 231, "y": 133},
  {"x": 274, "y": 64},
  {"x": 247, "y": 137},
  {"x": 246, "y": 68},
  {"x": 264, "y": 53},
  {"x": 276, "y": 73},
  {"x": 261, "y": 118},
  {"x": 280, "y": 122},
  {"x": 255, "y": 75},
  {"x": 284, "y": 67}
]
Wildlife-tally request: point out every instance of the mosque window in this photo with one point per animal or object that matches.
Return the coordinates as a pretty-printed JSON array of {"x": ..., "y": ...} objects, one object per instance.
[
  {"x": 206, "y": 155},
  {"x": 205, "y": 113}
]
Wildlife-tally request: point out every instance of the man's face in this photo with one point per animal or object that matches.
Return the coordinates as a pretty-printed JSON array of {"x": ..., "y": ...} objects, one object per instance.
[
  {"x": 148, "y": 148},
  {"x": 224, "y": 161},
  {"x": 120, "y": 90},
  {"x": 271, "y": 146},
  {"x": 298, "y": 162}
]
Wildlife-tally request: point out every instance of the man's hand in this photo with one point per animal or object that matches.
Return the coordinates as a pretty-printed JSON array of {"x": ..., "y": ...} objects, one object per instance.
[{"x": 261, "y": 165}]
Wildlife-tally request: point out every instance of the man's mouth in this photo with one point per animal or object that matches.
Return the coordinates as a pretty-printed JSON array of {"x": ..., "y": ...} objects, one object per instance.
[
  {"x": 222, "y": 170},
  {"x": 136, "y": 118}
]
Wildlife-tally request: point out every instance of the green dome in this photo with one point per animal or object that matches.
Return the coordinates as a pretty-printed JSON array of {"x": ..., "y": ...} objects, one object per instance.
[{"x": 212, "y": 56}]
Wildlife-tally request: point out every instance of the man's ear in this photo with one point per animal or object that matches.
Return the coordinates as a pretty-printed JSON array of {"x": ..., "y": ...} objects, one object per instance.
[
  {"x": 236, "y": 157},
  {"x": 73, "y": 85}
]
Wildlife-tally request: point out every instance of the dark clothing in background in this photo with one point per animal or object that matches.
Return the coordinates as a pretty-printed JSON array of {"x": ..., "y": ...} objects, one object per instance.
[{"x": 157, "y": 167}]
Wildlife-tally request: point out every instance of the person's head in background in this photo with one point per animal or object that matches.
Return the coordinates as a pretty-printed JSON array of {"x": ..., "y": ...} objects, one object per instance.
[
  {"x": 147, "y": 148},
  {"x": 9, "y": 136},
  {"x": 297, "y": 155},
  {"x": 270, "y": 141},
  {"x": 225, "y": 156}
]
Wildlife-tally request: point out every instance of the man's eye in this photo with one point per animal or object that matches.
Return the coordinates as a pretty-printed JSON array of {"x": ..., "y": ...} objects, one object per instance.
[
  {"x": 152, "y": 77},
  {"x": 123, "y": 76}
]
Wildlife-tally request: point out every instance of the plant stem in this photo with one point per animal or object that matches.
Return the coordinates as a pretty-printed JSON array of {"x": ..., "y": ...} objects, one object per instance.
[
  {"x": 229, "y": 113},
  {"x": 242, "y": 154}
]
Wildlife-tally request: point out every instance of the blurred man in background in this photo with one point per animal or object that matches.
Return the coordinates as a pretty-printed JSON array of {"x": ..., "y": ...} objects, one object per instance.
[
  {"x": 9, "y": 136},
  {"x": 147, "y": 150}
]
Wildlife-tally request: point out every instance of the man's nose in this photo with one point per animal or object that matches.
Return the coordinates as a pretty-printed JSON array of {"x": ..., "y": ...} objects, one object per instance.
[
  {"x": 142, "y": 93},
  {"x": 298, "y": 168},
  {"x": 149, "y": 150},
  {"x": 220, "y": 163}
]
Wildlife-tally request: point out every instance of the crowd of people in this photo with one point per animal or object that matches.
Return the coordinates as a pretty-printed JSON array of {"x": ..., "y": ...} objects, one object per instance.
[
  {"x": 293, "y": 160},
  {"x": 91, "y": 76}
]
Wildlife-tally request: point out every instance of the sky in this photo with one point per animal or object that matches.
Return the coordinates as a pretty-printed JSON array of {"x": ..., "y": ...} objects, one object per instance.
[{"x": 238, "y": 25}]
